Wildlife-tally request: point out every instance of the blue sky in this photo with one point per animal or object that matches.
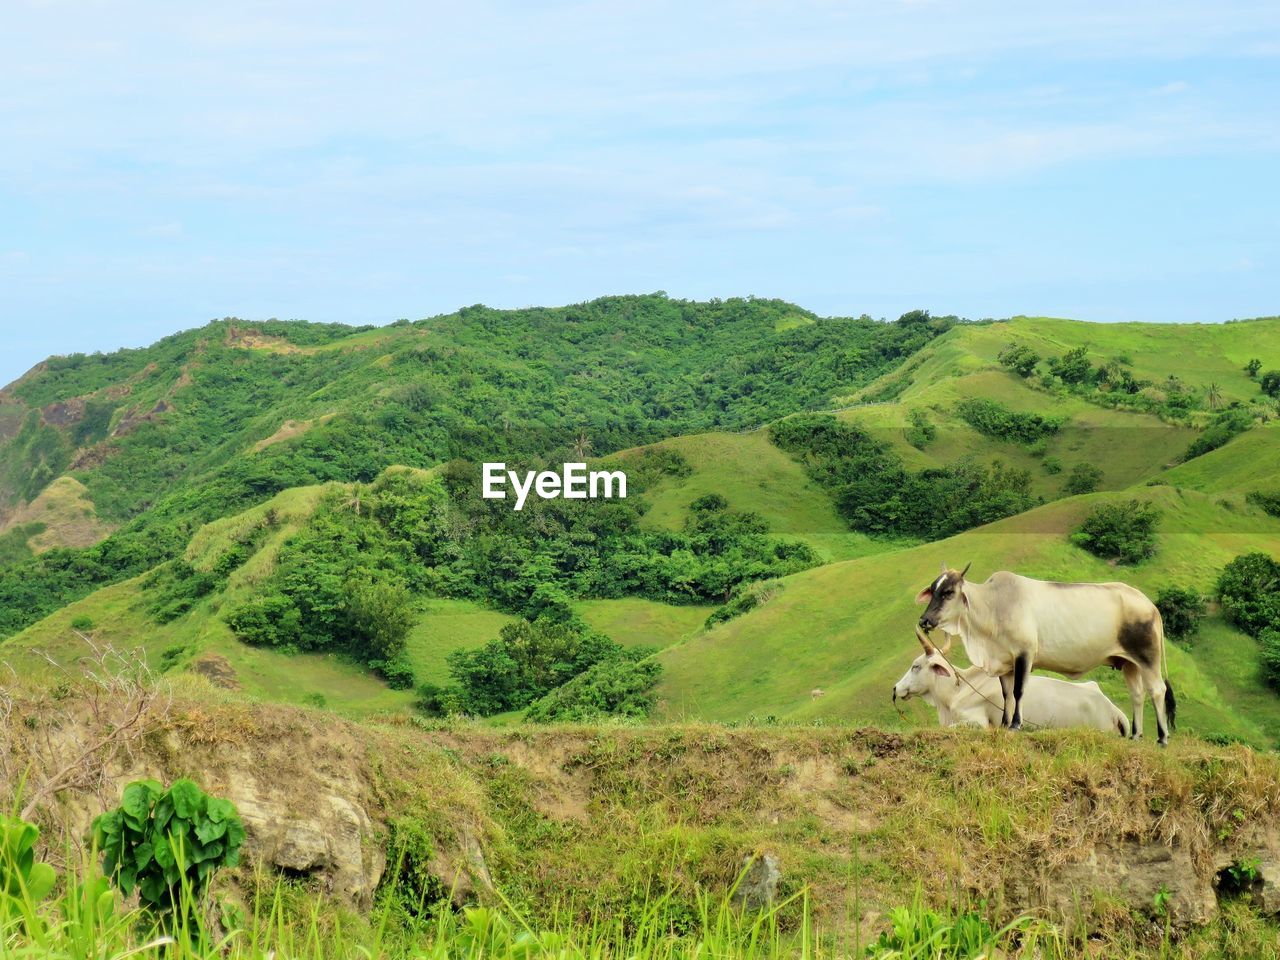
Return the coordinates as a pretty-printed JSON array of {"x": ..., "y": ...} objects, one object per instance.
[{"x": 167, "y": 163}]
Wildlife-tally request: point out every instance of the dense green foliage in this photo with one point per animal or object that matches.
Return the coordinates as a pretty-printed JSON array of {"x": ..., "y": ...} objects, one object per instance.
[
  {"x": 1266, "y": 500},
  {"x": 1225, "y": 425},
  {"x": 920, "y": 431},
  {"x": 1249, "y": 591},
  {"x": 999, "y": 422},
  {"x": 616, "y": 687},
  {"x": 1124, "y": 531},
  {"x": 1083, "y": 478},
  {"x": 166, "y": 434},
  {"x": 1019, "y": 358},
  {"x": 530, "y": 659},
  {"x": 1270, "y": 383},
  {"x": 1073, "y": 366},
  {"x": 877, "y": 494},
  {"x": 744, "y": 599},
  {"x": 167, "y": 844},
  {"x": 1181, "y": 610}
]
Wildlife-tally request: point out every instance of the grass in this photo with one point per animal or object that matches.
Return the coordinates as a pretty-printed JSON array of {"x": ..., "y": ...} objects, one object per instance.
[
  {"x": 831, "y": 629},
  {"x": 66, "y": 515},
  {"x": 635, "y": 622},
  {"x": 628, "y": 842},
  {"x": 752, "y": 474}
]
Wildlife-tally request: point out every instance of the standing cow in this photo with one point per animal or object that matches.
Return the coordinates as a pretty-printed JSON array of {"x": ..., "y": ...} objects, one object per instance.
[
  {"x": 969, "y": 697},
  {"x": 1011, "y": 624}
]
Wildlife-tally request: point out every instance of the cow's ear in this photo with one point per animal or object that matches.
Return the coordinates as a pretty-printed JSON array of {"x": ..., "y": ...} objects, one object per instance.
[
  {"x": 925, "y": 595},
  {"x": 940, "y": 670},
  {"x": 965, "y": 597}
]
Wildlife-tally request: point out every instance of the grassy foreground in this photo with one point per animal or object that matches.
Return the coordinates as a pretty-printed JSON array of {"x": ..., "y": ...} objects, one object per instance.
[
  {"x": 285, "y": 923},
  {"x": 630, "y": 841}
]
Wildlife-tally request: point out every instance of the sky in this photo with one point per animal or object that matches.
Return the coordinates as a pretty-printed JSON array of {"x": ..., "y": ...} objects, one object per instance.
[{"x": 163, "y": 164}]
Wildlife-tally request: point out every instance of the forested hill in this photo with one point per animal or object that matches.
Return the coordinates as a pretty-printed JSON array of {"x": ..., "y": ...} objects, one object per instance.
[{"x": 149, "y": 444}]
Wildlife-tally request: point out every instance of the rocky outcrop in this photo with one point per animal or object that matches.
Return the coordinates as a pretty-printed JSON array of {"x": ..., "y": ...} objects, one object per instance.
[
  {"x": 333, "y": 842},
  {"x": 1145, "y": 877},
  {"x": 757, "y": 888}
]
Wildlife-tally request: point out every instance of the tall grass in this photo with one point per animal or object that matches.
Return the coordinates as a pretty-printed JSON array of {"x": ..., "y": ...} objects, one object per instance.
[{"x": 288, "y": 921}]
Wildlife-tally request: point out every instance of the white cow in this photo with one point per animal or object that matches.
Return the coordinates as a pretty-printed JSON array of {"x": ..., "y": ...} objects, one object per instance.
[
  {"x": 1011, "y": 624},
  {"x": 969, "y": 697}
]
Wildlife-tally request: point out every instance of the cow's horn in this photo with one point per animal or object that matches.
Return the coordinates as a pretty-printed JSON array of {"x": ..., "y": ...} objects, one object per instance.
[
  {"x": 966, "y": 569},
  {"x": 946, "y": 643},
  {"x": 924, "y": 640},
  {"x": 944, "y": 566}
]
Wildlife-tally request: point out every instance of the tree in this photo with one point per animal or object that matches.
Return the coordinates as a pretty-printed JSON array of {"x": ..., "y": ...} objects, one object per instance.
[
  {"x": 1181, "y": 609},
  {"x": 1123, "y": 532},
  {"x": 1270, "y": 383},
  {"x": 1269, "y": 640},
  {"x": 1249, "y": 591},
  {"x": 1084, "y": 478},
  {"x": 582, "y": 446},
  {"x": 379, "y": 616},
  {"x": 1072, "y": 367},
  {"x": 1252, "y": 368},
  {"x": 1019, "y": 358},
  {"x": 1214, "y": 395}
]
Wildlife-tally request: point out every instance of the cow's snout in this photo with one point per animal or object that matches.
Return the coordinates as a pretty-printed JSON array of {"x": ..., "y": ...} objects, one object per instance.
[{"x": 927, "y": 622}]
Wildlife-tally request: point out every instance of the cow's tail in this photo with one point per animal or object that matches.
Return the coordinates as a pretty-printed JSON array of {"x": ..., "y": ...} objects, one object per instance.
[
  {"x": 1170, "y": 702},
  {"x": 1122, "y": 723}
]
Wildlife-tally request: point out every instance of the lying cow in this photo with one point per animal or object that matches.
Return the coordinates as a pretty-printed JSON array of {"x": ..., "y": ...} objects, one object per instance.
[{"x": 970, "y": 697}]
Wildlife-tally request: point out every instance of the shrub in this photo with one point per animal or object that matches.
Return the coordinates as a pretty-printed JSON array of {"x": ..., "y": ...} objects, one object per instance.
[
  {"x": 996, "y": 420},
  {"x": 744, "y": 599},
  {"x": 167, "y": 844},
  {"x": 1072, "y": 367},
  {"x": 1270, "y": 383},
  {"x": 1019, "y": 358},
  {"x": 440, "y": 701},
  {"x": 1052, "y": 466},
  {"x": 709, "y": 503},
  {"x": 1181, "y": 609},
  {"x": 1124, "y": 532},
  {"x": 1269, "y": 640},
  {"x": 1084, "y": 478},
  {"x": 397, "y": 672},
  {"x": 379, "y": 616},
  {"x": 621, "y": 687},
  {"x": 919, "y": 432},
  {"x": 526, "y": 661},
  {"x": 1266, "y": 500},
  {"x": 1226, "y": 425},
  {"x": 83, "y": 623},
  {"x": 1248, "y": 591},
  {"x": 1252, "y": 368}
]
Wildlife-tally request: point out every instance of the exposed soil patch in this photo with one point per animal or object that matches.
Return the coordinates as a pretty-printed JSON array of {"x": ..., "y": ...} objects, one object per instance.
[{"x": 218, "y": 670}]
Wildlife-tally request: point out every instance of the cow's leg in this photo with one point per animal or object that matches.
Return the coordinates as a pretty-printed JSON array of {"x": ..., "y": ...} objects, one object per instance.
[
  {"x": 1006, "y": 688},
  {"x": 1021, "y": 670},
  {"x": 1137, "y": 695},
  {"x": 1155, "y": 686}
]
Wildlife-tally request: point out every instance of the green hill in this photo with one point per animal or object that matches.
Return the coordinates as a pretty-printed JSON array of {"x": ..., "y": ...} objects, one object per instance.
[{"x": 219, "y": 454}]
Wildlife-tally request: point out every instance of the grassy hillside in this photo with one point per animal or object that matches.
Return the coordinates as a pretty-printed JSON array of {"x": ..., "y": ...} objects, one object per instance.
[
  {"x": 754, "y": 475},
  {"x": 846, "y": 627},
  {"x": 842, "y": 626},
  {"x": 211, "y": 421}
]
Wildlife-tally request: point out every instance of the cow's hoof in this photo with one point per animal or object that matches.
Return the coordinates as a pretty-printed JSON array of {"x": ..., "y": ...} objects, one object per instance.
[{"x": 1016, "y": 725}]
